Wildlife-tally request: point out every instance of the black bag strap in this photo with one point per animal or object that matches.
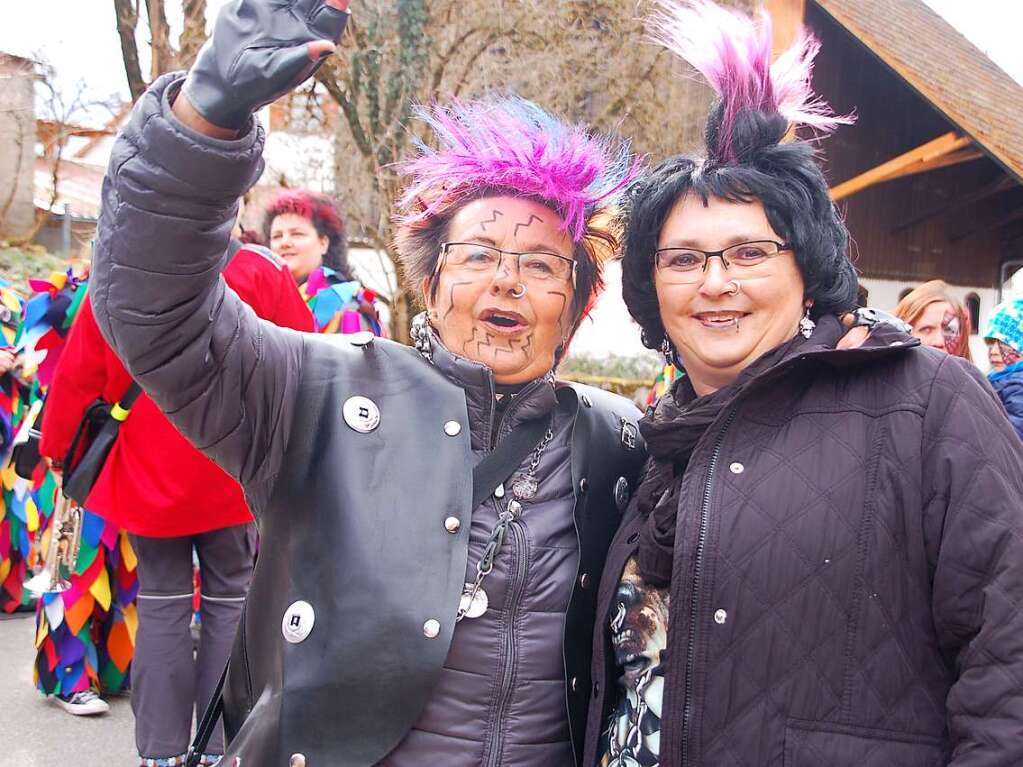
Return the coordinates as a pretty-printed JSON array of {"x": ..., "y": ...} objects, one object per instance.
[
  {"x": 130, "y": 395},
  {"x": 204, "y": 731},
  {"x": 504, "y": 459},
  {"x": 494, "y": 469}
]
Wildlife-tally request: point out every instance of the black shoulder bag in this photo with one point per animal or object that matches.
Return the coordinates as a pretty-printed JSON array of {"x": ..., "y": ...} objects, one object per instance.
[
  {"x": 494, "y": 469},
  {"x": 94, "y": 440}
]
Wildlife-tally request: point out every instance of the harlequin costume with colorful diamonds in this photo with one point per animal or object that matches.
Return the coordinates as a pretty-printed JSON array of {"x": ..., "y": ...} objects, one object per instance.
[
  {"x": 84, "y": 636},
  {"x": 337, "y": 304},
  {"x": 19, "y": 517}
]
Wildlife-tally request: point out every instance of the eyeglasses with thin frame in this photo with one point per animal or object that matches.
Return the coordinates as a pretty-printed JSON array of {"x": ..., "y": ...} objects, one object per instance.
[
  {"x": 482, "y": 262},
  {"x": 746, "y": 259}
]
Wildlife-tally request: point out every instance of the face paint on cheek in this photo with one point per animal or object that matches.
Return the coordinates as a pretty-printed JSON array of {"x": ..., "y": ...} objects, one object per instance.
[
  {"x": 482, "y": 344},
  {"x": 951, "y": 330},
  {"x": 451, "y": 296},
  {"x": 1009, "y": 355}
]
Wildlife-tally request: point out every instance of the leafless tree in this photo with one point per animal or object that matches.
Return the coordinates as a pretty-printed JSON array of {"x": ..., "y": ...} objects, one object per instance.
[{"x": 164, "y": 56}]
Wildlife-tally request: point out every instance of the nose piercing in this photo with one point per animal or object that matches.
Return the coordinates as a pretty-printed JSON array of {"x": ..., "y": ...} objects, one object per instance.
[
  {"x": 518, "y": 291},
  {"x": 736, "y": 287}
]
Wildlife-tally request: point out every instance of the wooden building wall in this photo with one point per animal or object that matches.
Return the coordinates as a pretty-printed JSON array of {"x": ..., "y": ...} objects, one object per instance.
[{"x": 932, "y": 225}]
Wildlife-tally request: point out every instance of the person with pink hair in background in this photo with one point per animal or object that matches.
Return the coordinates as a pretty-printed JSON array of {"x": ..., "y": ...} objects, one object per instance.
[{"x": 306, "y": 230}]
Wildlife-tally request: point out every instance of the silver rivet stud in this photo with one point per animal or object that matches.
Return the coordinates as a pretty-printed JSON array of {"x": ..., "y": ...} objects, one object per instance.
[
  {"x": 586, "y": 401},
  {"x": 584, "y": 485},
  {"x": 895, "y": 343},
  {"x": 499, "y": 492},
  {"x": 584, "y": 580},
  {"x": 720, "y": 616},
  {"x": 452, "y": 525},
  {"x": 737, "y": 468},
  {"x": 297, "y": 760},
  {"x": 573, "y": 683},
  {"x": 431, "y": 629},
  {"x": 362, "y": 338},
  {"x": 452, "y": 428}
]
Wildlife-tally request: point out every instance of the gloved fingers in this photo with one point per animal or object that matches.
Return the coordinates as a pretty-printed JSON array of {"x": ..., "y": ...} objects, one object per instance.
[
  {"x": 320, "y": 49},
  {"x": 329, "y": 19},
  {"x": 293, "y": 65}
]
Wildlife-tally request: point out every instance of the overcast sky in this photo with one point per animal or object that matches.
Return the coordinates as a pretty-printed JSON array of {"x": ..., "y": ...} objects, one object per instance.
[{"x": 79, "y": 37}]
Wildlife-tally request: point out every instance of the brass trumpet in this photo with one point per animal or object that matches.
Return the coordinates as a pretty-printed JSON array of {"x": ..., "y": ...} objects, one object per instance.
[{"x": 62, "y": 553}]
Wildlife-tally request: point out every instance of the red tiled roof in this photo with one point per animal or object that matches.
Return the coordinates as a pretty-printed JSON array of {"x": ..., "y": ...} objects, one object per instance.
[{"x": 944, "y": 67}]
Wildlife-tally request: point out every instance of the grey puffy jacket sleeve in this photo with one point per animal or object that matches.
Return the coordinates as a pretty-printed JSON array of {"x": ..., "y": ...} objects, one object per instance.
[{"x": 224, "y": 377}]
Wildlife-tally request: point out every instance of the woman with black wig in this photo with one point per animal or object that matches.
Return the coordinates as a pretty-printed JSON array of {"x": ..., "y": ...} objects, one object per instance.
[{"x": 823, "y": 564}]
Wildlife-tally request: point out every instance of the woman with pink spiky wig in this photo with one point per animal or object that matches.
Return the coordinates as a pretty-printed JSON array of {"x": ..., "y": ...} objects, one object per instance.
[
  {"x": 433, "y": 520},
  {"x": 824, "y": 562}
]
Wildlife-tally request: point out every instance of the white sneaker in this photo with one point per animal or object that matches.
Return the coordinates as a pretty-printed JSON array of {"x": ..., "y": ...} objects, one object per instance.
[{"x": 84, "y": 703}]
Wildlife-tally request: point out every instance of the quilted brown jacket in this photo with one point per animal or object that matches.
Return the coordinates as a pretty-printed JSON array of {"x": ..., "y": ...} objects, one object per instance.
[{"x": 850, "y": 533}]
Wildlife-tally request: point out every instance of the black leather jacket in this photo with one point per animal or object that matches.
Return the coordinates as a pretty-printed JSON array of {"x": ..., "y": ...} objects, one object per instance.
[{"x": 354, "y": 524}]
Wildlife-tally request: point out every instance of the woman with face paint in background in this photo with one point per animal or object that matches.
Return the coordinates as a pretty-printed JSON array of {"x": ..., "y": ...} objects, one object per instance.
[
  {"x": 406, "y": 608},
  {"x": 823, "y": 564},
  {"x": 937, "y": 318}
]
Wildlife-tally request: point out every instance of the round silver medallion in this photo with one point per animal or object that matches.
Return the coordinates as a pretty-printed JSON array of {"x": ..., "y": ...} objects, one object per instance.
[
  {"x": 361, "y": 413},
  {"x": 473, "y": 605},
  {"x": 524, "y": 487}
]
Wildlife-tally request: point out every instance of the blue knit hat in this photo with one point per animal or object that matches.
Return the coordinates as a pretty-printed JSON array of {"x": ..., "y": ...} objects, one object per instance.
[{"x": 1006, "y": 324}]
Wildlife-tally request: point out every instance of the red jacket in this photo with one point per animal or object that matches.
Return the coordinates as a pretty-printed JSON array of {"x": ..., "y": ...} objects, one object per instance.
[{"x": 154, "y": 483}]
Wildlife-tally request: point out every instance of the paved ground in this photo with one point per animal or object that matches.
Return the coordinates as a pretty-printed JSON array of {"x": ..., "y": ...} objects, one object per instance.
[{"x": 40, "y": 734}]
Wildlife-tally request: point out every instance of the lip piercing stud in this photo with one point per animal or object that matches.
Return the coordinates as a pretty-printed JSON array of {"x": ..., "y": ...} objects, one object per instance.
[{"x": 518, "y": 291}]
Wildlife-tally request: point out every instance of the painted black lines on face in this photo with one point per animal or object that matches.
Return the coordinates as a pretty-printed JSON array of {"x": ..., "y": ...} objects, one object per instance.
[
  {"x": 532, "y": 217},
  {"x": 451, "y": 296},
  {"x": 494, "y": 214},
  {"x": 564, "y": 302},
  {"x": 482, "y": 342}
]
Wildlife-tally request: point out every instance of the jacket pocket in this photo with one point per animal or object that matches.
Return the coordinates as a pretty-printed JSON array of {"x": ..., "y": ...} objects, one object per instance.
[{"x": 816, "y": 744}]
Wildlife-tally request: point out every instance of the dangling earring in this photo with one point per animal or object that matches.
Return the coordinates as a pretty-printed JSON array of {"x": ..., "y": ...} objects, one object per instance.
[
  {"x": 806, "y": 325},
  {"x": 669, "y": 352},
  {"x": 420, "y": 333}
]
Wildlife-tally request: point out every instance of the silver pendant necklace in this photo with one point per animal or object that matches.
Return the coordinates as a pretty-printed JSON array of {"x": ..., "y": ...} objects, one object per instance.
[{"x": 474, "y": 601}]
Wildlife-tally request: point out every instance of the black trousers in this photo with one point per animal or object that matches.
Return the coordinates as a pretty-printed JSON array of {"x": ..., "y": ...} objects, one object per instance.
[{"x": 169, "y": 682}]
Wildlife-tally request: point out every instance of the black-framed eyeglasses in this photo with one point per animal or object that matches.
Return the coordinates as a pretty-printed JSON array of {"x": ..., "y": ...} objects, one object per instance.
[
  {"x": 483, "y": 261},
  {"x": 687, "y": 265}
]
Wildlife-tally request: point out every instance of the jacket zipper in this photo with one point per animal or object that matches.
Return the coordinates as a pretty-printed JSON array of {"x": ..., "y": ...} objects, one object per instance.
[
  {"x": 694, "y": 603},
  {"x": 517, "y": 580},
  {"x": 493, "y": 758}
]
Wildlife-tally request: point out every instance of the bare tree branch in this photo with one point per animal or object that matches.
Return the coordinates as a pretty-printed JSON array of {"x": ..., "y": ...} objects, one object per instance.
[
  {"x": 164, "y": 57},
  {"x": 193, "y": 33},
  {"x": 127, "y": 21}
]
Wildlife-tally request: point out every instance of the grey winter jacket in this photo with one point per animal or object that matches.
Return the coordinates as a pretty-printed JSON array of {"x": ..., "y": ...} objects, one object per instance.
[{"x": 373, "y": 529}]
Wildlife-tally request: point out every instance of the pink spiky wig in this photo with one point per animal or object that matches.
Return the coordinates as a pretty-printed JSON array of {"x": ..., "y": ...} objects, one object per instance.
[
  {"x": 733, "y": 52},
  {"x": 512, "y": 144}
]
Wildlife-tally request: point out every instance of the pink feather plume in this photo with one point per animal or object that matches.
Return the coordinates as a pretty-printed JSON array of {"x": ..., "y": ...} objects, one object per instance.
[{"x": 733, "y": 52}]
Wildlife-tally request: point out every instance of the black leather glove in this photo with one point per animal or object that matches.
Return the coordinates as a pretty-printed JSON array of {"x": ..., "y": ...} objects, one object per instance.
[{"x": 258, "y": 52}]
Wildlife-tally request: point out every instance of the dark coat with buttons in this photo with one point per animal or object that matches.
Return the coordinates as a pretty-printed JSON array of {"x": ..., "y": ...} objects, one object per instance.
[
  {"x": 348, "y": 640},
  {"x": 850, "y": 544}
]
